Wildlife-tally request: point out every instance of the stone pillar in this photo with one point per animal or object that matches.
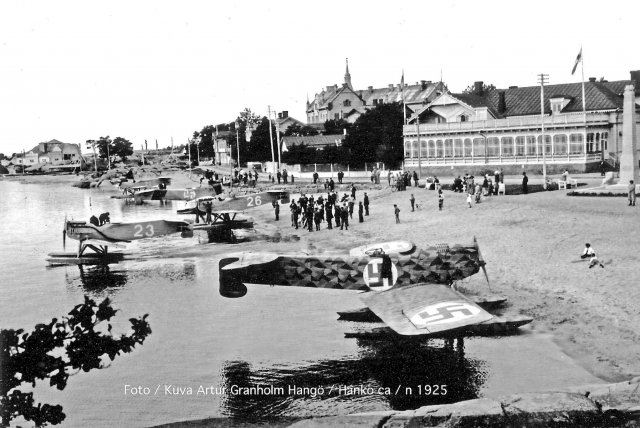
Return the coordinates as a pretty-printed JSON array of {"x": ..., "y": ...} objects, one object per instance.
[{"x": 628, "y": 155}]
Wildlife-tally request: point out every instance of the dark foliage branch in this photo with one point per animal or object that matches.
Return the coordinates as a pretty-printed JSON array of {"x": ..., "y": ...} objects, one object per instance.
[{"x": 56, "y": 350}]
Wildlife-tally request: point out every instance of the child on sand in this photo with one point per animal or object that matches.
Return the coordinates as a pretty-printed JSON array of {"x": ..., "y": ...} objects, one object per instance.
[
  {"x": 469, "y": 199},
  {"x": 440, "y": 199},
  {"x": 593, "y": 261}
]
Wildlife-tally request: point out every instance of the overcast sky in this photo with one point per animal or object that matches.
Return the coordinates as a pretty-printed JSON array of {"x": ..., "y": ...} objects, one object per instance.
[{"x": 78, "y": 70}]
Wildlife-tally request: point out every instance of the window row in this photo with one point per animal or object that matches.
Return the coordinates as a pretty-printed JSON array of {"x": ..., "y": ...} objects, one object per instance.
[{"x": 525, "y": 145}]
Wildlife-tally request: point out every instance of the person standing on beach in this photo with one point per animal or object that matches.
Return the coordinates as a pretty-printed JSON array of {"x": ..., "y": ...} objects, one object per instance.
[
  {"x": 469, "y": 199},
  {"x": 440, "y": 199},
  {"x": 360, "y": 212},
  {"x": 328, "y": 215},
  {"x": 632, "y": 193},
  {"x": 276, "y": 208},
  {"x": 366, "y": 204},
  {"x": 413, "y": 203},
  {"x": 344, "y": 213},
  {"x": 525, "y": 181},
  {"x": 396, "y": 211}
]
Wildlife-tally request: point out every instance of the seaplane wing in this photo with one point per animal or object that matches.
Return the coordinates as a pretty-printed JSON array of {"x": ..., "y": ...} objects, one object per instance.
[
  {"x": 146, "y": 183},
  {"x": 177, "y": 194},
  {"x": 123, "y": 232},
  {"x": 419, "y": 310}
]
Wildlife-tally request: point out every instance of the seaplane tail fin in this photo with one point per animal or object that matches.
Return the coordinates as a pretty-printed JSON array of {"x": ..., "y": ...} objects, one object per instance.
[{"x": 425, "y": 309}]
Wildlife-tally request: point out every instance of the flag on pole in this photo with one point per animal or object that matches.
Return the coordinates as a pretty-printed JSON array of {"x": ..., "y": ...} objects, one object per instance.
[{"x": 578, "y": 59}]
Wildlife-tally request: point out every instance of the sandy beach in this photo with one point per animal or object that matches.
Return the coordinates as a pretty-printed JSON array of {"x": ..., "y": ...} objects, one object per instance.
[{"x": 532, "y": 245}]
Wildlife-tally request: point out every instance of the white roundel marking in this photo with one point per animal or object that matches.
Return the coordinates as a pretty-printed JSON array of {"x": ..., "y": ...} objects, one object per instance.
[
  {"x": 444, "y": 313},
  {"x": 372, "y": 276}
]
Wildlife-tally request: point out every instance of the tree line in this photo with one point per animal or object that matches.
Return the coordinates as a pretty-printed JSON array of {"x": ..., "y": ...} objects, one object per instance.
[{"x": 376, "y": 136}]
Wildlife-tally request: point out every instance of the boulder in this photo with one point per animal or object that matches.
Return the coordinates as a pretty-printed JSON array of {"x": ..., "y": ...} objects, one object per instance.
[{"x": 545, "y": 409}]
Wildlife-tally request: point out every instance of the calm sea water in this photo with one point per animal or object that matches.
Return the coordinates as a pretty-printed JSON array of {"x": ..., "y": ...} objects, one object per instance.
[{"x": 206, "y": 351}]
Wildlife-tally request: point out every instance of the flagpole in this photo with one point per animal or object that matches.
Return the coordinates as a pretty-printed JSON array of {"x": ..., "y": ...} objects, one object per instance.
[
  {"x": 404, "y": 106},
  {"x": 584, "y": 103}
]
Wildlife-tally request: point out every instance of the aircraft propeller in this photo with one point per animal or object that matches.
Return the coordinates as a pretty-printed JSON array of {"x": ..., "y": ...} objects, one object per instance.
[{"x": 481, "y": 262}]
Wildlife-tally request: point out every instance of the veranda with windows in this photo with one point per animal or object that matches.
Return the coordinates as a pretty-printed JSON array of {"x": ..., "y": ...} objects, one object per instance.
[{"x": 505, "y": 141}]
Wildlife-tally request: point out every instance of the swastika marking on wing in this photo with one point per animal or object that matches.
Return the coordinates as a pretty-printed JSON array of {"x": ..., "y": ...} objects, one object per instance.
[{"x": 444, "y": 313}]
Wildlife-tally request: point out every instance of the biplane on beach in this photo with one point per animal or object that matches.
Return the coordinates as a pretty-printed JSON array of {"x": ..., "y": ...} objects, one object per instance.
[{"x": 407, "y": 288}]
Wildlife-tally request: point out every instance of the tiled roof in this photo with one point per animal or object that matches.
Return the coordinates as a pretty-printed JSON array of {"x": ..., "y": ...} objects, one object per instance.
[
  {"x": 526, "y": 101},
  {"x": 413, "y": 94},
  {"x": 51, "y": 144},
  {"x": 312, "y": 140}
]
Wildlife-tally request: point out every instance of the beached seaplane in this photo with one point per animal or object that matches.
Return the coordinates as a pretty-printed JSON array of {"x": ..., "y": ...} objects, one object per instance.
[
  {"x": 94, "y": 241},
  {"x": 406, "y": 287},
  {"x": 219, "y": 214}
]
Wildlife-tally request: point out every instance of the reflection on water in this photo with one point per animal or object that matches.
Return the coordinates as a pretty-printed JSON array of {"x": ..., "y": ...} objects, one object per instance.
[
  {"x": 383, "y": 375},
  {"x": 98, "y": 278}
]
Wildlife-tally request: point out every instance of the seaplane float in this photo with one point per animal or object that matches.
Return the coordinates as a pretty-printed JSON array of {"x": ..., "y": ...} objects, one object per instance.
[
  {"x": 94, "y": 240},
  {"x": 409, "y": 289}
]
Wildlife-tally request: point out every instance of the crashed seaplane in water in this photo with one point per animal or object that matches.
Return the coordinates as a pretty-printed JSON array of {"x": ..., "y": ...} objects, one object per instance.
[{"x": 406, "y": 287}]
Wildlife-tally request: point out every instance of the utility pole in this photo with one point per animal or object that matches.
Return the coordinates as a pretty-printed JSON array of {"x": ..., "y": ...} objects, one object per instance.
[
  {"x": 542, "y": 79},
  {"x": 273, "y": 160},
  {"x": 419, "y": 147},
  {"x": 238, "y": 142},
  {"x": 198, "y": 148},
  {"x": 189, "y": 151},
  {"x": 278, "y": 142}
]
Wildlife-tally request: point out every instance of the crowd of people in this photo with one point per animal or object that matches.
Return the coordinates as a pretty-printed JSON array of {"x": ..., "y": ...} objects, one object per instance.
[{"x": 310, "y": 213}]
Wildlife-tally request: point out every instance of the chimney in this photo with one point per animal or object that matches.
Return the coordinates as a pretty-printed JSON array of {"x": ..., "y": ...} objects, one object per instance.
[
  {"x": 285, "y": 114},
  {"x": 42, "y": 147},
  {"x": 502, "y": 104},
  {"x": 477, "y": 88},
  {"x": 279, "y": 115},
  {"x": 592, "y": 79},
  {"x": 635, "y": 75},
  {"x": 423, "y": 84}
]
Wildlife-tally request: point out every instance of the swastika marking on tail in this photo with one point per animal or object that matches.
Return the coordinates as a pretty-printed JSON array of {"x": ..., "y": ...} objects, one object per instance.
[{"x": 372, "y": 276}]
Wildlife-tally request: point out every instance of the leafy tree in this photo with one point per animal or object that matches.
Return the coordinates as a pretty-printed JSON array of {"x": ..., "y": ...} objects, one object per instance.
[
  {"x": 54, "y": 351},
  {"x": 205, "y": 137},
  {"x": 260, "y": 144},
  {"x": 104, "y": 146},
  {"x": 247, "y": 117},
  {"x": 471, "y": 89},
  {"x": 333, "y": 127},
  {"x": 377, "y": 136},
  {"x": 2, "y": 156},
  {"x": 121, "y": 147}
]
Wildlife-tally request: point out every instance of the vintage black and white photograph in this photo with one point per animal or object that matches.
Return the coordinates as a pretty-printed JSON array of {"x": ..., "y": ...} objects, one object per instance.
[{"x": 298, "y": 214}]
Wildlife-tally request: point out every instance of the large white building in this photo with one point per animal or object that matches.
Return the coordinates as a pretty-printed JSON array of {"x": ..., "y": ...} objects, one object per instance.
[
  {"x": 345, "y": 103},
  {"x": 504, "y": 128}
]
